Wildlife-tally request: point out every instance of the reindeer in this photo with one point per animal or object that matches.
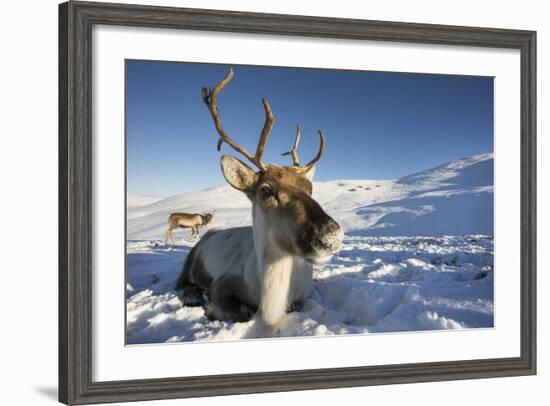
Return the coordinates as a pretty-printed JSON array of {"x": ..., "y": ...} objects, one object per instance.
[
  {"x": 194, "y": 221},
  {"x": 267, "y": 267}
]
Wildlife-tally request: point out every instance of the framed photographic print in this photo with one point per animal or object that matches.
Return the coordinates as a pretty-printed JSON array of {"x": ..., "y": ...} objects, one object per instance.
[{"x": 257, "y": 202}]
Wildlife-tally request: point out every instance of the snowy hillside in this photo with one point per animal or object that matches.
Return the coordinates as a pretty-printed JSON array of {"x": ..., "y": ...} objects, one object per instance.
[
  {"x": 452, "y": 199},
  {"x": 417, "y": 255},
  {"x": 133, "y": 201}
]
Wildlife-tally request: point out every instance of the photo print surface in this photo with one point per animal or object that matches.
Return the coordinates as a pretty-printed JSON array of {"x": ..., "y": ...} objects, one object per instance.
[{"x": 267, "y": 202}]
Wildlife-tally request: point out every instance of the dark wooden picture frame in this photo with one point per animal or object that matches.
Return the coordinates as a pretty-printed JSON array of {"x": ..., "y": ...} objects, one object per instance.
[{"x": 76, "y": 20}]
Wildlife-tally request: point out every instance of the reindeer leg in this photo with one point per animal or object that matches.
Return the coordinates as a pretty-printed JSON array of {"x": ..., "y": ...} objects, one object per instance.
[
  {"x": 169, "y": 236},
  {"x": 225, "y": 300}
]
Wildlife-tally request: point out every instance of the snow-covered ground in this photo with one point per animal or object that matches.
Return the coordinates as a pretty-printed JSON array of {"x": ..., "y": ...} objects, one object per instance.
[{"x": 418, "y": 255}]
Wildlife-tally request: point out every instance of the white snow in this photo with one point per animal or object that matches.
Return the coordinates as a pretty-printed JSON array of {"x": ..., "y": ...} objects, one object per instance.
[
  {"x": 418, "y": 255},
  {"x": 133, "y": 201}
]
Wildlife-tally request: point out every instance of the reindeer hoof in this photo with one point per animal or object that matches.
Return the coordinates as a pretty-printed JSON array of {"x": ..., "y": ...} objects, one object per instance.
[
  {"x": 245, "y": 314},
  {"x": 296, "y": 306},
  {"x": 191, "y": 296}
]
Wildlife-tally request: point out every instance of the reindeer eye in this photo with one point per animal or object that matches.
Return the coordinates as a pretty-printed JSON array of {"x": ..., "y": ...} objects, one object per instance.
[{"x": 266, "y": 192}]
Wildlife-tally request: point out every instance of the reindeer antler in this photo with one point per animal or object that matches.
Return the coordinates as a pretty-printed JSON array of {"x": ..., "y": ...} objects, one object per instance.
[
  {"x": 209, "y": 96},
  {"x": 294, "y": 150},
  {"x": 319, "y": 152}
]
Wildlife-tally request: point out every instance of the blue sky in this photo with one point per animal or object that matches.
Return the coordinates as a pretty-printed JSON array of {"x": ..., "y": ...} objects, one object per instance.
[{"x": 377, "y": 125}]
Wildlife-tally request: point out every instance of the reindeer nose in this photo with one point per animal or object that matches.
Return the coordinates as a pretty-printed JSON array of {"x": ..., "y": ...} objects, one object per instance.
[{"x": 330, "y": 236}]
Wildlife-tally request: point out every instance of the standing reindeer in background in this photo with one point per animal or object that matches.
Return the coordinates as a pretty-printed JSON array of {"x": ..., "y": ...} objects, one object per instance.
[
  {"x": 194, "y": 221},
  {"x": 266, "y": 267}
]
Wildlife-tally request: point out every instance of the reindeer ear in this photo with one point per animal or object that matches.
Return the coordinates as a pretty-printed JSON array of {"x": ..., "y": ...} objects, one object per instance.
[
  {"x": 308, "y": 173},
  {"x": 238, "y": 174}
]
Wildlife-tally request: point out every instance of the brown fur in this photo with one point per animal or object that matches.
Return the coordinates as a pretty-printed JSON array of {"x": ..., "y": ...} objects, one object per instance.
[
  {"x": 194, "y": 221},
  {"x": 286, "y": 178},
  {"x": 292, "y": 199}
]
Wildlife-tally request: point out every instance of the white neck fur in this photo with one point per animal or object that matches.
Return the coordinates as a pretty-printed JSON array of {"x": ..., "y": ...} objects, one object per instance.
[{"x": 275, "y": 268}]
